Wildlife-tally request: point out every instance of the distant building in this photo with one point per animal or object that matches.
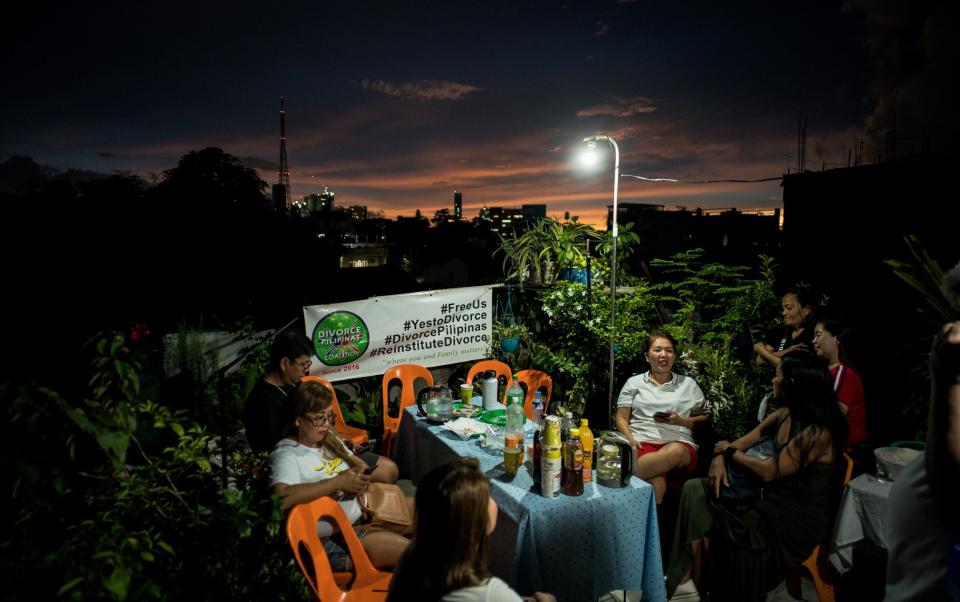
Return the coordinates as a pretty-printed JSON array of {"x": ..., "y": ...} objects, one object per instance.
[
  {"x": 357, "y": 212},
  {"x": 725, "y": 235},
  {"x": 500, "y": 219},
  {"x": 363, "y": 256},
  {"x": 320, "y": 202},
  {"x": 534, "y": 210},
  {"x": 281, "y": 197},
  {"x": 457, "y": 204}
]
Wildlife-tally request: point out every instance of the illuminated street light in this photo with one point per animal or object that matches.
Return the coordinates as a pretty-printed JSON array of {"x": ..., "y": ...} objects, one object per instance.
[{"x": 592, "y": 145}]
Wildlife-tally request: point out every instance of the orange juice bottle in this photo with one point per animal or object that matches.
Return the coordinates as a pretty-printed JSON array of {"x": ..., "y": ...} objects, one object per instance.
[{"x": 586, "y": 438}]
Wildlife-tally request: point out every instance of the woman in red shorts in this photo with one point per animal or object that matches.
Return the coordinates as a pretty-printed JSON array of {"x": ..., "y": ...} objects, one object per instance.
[{"x": 657, "y": 410}]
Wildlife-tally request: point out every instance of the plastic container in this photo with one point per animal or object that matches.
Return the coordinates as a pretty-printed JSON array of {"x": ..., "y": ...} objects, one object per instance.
[
  {"x": 890, "y": 460},
  {"x": 586, "y": 438}
]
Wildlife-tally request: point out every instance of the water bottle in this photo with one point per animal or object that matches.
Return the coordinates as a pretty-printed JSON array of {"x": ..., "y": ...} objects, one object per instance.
[
  {"x": 538, "y": 409},
  {"x": 489, "y": 387}
]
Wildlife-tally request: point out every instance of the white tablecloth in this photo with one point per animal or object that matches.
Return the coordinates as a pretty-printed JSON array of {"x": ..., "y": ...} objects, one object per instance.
[{"x": 862, "y": 515}]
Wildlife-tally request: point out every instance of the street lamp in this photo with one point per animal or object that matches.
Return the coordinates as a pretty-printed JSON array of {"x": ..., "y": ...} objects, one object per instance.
[{"x": 592, "y": 143}]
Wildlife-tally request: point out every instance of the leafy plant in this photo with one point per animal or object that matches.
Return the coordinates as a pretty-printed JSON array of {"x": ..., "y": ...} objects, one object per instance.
[
  {"x": 119, "y": 497},
  {"x": 522, "y": 252},
  {"x": 566, "y": 242},
  {"x": 924, "y": 275}
]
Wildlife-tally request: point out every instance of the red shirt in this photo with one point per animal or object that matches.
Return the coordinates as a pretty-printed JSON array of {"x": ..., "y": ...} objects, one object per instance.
[{"x": 849, "y": 390}]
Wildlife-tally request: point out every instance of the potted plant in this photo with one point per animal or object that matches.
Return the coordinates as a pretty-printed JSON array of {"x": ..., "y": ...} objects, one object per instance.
[
  {"x": 523, "y": 253},
  {"x": 508, "y": 335},
  {"x": 566, "y": 242}
]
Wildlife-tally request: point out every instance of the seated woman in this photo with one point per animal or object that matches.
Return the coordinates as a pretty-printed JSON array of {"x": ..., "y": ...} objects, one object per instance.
[
  {"x": 846, "y": 382},
  {"x": 448, "y": 557},
  {"x": 657, "y": 411},
  {"x": 312, "y": 462},
  {"x": 761, "y": 544},
  {"x": 797, "y": 335}
]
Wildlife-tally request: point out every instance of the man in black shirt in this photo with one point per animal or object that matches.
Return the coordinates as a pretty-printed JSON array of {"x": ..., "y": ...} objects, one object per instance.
[{"x": 267, "y": 411}]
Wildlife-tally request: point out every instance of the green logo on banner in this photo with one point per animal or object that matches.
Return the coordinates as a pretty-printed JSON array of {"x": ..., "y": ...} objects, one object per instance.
[{"x": 340, "y": 338}]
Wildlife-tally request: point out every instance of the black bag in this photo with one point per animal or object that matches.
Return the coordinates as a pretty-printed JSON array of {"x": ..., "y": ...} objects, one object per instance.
[{"x": 746, "y": 488}]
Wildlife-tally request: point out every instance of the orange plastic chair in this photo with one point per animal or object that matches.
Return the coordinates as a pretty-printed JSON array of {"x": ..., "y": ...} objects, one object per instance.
[
  {"x": 535, "y": 380},
  {"x": 369, "y": 584},
  {"x": 817, "y": 564},
  {"x": 500, "y": 368},
  {"x": 357, "y": 435},
  {"x": 407, "y": 374}
]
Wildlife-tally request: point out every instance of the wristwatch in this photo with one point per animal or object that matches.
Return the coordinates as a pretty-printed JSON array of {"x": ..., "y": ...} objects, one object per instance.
[{"x": 729, "y": 451}]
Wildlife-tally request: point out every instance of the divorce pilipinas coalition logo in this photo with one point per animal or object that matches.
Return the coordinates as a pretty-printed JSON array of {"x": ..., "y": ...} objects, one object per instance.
[{"x": 340, "y": 337}]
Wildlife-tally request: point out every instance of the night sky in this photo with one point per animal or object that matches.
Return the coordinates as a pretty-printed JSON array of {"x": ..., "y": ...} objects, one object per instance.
[{"x": 396, "y": 105}]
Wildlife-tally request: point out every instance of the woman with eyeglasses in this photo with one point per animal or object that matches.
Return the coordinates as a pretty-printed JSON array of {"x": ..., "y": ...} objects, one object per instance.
[{"x": 312, "y": 462}]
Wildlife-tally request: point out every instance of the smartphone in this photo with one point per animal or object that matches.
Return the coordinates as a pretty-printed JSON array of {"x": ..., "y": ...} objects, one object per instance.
[
  {"x": 661, "y": 415},
  {"x": 370, "y": 470}
]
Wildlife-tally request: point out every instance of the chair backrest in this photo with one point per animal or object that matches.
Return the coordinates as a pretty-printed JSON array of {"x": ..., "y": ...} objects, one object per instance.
[
  {"x": 407, "y": 374},
  {"x": 846, "y": 478},
  {"x": 535, "y": 380},
  {"x": 354, "y": 434},
  {"x": 502, "y": 370},
  {"x": 369, "y": 584}
]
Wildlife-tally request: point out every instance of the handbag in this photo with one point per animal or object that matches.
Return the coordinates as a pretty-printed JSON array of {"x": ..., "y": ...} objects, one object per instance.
[
  {"x": 385, "y": 507},
  {"x": 746, "y": 488}
]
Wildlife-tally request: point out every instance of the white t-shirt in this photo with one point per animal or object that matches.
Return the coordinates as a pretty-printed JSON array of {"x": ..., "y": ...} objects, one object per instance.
[
  {"x": 494, "y": 590},
  {"x": 292, "y": 463},
  {"x": 645, "y": 397}
]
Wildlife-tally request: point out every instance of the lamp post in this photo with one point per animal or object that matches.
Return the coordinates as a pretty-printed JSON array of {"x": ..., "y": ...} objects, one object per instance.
[{"x": 592, "y": 143}]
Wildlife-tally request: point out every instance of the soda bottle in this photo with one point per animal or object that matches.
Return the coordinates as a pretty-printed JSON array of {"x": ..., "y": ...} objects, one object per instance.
[
  {"x": 513, "y": 429},
  {"x": 571, "y": 482},
  {"x": 515, "y": 393},
  {"x": 586, "y": 438}
]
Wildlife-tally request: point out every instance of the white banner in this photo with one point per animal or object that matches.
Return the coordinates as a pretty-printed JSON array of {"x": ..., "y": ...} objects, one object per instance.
[{"x": 432, "y": 328}]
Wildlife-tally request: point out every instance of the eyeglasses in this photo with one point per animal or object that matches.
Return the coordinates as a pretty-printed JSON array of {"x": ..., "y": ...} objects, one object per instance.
[
  {"x": 329, "y": 418},
  {"x": 303, "y": 365}
]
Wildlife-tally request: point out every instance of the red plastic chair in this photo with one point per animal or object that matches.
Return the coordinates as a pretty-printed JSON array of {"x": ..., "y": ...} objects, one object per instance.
[
  {"x": 817, "y": 564},
  {"x": 407, "y": 374},
  {"x": 500, "y": 368},
  {"x": 535, "y": 380},
  {"x": 369, "y": 583},
  {"x": 357, "y": 435}
]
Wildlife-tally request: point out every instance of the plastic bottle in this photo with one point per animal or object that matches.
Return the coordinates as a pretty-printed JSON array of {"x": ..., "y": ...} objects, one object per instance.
[
  {"x": 571, "y": 482},
  {"x": 513, "y": 430},
  {"x": 538, "y": 409},
  {"x": 537, "y": 436},
  {"x": 566, "y": 425},
  {"x": 586, "y": 438},
  {"x": 515, "y": 393}
]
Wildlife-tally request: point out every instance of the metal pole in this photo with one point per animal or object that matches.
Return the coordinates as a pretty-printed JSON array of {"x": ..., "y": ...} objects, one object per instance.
[{"x": 613, "y": 271}]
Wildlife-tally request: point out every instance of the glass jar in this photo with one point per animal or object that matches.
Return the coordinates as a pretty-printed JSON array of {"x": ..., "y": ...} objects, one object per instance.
[{"x": 608, "y": 466}]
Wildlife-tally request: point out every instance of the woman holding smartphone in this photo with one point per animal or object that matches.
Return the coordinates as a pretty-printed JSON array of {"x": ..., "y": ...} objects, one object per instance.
[
  {"x": 657, "y": 411},
  {"x": 312, "y": 462}
]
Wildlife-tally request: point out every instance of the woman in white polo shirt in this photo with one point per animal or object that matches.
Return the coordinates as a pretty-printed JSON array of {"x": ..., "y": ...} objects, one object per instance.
[{"x": 657, "y": 410}]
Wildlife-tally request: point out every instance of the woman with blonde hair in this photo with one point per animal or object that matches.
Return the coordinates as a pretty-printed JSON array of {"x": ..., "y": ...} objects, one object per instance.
[
  {"x": 448, "y": 557},
  {"x": 312, "y": 462}
]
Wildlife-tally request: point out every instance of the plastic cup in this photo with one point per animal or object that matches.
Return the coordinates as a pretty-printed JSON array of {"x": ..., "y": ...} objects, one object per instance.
[
  {"x": 512, "y": 459},
  {"x": 466, "y": 394}
]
